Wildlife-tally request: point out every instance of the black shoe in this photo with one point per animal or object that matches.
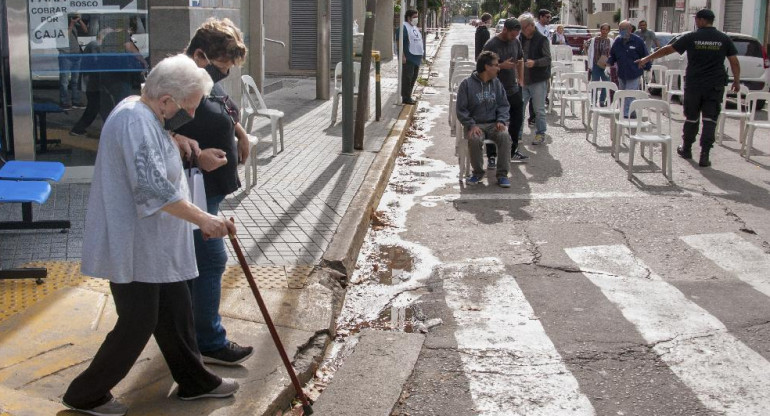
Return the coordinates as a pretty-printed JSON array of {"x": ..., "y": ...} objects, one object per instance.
[
  {"x": 684, "y": 153},
  {"x": 409, "y": 101},
  {"x": 517, "y": 157},
  {"x": 77, "y": 133},
  {"x": 231, "y": 354},
  {"x": 531, "y": 122},
  {"x": 704, "y": 161},
  {"x": 491, "y": 162},
  {"x": 78, "y": 106}
]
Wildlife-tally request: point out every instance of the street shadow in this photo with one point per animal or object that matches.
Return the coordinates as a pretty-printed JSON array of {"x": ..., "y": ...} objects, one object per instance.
[{"x": 747, "y": 192}]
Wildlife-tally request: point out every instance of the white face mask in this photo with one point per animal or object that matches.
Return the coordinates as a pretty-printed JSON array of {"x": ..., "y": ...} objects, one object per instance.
[{"x": 415, "y": 21}]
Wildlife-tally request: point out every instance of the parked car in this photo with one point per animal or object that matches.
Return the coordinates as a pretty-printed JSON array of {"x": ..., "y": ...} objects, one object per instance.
[
  {"x": 499, "y": 26},
  {"x": 755, "y": 65},
  {"x": 576, "y": 36},
  {"x": 664, "y": 37}
]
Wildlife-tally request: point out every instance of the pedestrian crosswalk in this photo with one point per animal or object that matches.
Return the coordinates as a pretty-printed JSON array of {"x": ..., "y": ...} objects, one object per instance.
[{"x": 514, "y": 368}]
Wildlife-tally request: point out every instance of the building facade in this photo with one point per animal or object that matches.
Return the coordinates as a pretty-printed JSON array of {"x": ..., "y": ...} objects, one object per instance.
[{"x": 57, "y": 53}]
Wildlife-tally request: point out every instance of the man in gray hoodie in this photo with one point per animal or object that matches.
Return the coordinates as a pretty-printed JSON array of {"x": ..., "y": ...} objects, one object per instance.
[{"x": 483, "y": 110}]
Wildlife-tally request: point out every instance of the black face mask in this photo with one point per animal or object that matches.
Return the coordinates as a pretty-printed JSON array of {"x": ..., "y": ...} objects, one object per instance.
[
  {"x": 215, "y": 74},
  {"x": 178, "y": 120}
]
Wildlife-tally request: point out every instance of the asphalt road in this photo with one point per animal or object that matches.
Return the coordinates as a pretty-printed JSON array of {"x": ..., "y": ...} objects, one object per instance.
[{"x": 576, "y": 291}]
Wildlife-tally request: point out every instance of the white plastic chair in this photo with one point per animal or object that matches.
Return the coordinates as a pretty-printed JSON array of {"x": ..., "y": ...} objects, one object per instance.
[
  {"x": 338, "y": 86},
  {"x": 738, "y": 113},
  {"x": 558, "y": 88},
  {"x": 457, "y": 78},
  {"x": 253, "y": 105},
  {"x": 598, "y": 108},
  {"x": 753, "y": 123},
  {"x": 656, "y": 133},
  {"x": 657, "y": 79},
  {"x": 461, "y": 64},
  {"x": 250, "y": 165},
  {"x": 576, "y": 84},
  {"x": 623, "y": 122},
  {"x": 561, "y": 53},
  {"x": 674, "y": 85},
  {"x": 458, "y": 53}
]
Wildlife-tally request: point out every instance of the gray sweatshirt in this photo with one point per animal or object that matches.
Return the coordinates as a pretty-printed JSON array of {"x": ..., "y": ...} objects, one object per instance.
[{"x": 480, "y": 102}]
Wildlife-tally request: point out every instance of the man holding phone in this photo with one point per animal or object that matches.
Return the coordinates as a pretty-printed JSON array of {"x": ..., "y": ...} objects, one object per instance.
[{"x": 508, "y": 48}]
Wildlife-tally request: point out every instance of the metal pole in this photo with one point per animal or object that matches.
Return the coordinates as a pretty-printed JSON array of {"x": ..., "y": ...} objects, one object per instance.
[
  {"x": 400, "y": 31},
  {"x": 377, "y": 87},
  {"x": 21, "y": 83},
  {"x": 363, "y": 84},
  {"x": 260, "y": 42},
  {"x": 347, "y": 76},
  {"x": 324, "y": 50},
  {"x": 424, "y": 21}
]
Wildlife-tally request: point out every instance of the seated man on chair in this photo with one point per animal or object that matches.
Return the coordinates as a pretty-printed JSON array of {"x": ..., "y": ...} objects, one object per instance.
[{"x": 483, "y": 110}]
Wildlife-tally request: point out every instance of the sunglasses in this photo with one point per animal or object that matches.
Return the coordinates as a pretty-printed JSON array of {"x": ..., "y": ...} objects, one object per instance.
[{"x": 229, "y": 109}]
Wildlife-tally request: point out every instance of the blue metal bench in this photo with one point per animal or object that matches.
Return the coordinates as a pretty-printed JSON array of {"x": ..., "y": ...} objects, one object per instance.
[{"x": 26, "y": 183}]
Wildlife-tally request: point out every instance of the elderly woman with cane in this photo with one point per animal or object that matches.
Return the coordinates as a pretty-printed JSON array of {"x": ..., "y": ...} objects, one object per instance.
[{"x": 138, "y": 234}]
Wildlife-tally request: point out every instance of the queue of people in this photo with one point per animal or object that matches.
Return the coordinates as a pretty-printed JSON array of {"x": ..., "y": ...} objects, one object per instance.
[{"x": 164, "y": 278}]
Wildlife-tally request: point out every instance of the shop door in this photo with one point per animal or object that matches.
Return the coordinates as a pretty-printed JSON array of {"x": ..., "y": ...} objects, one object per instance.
[
  {"x": 304, "y": 34},
  {"x": 733, "y": 16}
]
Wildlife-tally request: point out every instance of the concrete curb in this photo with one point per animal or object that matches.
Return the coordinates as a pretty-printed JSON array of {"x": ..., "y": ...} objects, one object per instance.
[{"x": 343, "y": 251}]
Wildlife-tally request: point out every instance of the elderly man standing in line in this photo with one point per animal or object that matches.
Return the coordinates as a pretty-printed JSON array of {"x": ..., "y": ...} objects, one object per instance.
[
  {"x": 413, "y": 52},
  {"x": 537, "y": 72},
  {"x": 626, "y": 50},
  {"x": 704, "y": 82},
  {"x": 483, "y": 110}
]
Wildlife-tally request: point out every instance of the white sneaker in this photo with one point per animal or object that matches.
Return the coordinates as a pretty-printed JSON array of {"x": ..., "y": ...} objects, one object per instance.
[
  {"x": 111, "y": 408},
  {"x": 227, "y": 388}
]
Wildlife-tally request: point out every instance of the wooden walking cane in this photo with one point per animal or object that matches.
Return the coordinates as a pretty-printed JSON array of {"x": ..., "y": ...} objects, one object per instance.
[{"x": 306, "y": 407}]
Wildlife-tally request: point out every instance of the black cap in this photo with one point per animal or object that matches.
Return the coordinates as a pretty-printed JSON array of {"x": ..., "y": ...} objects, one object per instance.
[
  {"x": 512, "y": 23},
  {"x": 705, "y": 14}
]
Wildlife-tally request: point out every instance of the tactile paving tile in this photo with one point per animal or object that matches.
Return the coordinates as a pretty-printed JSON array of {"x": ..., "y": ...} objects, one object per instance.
[
  {"x": 268, "y": 277},
  {"x": 16, "y": 295},
  {"x": 297, "y": 276}
]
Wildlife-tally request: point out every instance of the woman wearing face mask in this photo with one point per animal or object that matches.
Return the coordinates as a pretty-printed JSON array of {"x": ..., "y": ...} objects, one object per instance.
[
  {"x": 138, "y": 235},
  {"x": 216, "y": 46}
]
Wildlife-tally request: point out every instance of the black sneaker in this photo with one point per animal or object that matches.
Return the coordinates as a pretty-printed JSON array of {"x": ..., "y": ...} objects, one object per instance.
[
  {"x": 491, "y": 162},
  {"x": 77, "y": 133},
  {"x": 78, "y": 106},
  {"x": 683, "y": 152},
  {"x": 531, "y": 122},
  {"x": 704, "y": 161},
  {"x": 518, "y": 157},
  {"x": 231, "y": 354},
  {"x": 227, "y": 388}
]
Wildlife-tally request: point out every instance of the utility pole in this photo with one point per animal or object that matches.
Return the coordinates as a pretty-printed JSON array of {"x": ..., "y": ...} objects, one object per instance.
[
  {"x": 324, "y": 50},
  {"x": 363, "y": 84},
  {"x": 347, "y": 76},
  {"x": 401, "y": 51}
]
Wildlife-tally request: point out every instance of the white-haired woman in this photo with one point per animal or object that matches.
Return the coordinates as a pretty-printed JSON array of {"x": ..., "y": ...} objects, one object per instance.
[{"x": 138, "y": 235}]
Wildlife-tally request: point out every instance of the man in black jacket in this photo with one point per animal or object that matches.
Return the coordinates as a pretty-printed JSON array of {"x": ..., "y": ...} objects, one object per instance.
[
  {"x": 537, "y": 71},
  {"x": 482, "y": 34}
]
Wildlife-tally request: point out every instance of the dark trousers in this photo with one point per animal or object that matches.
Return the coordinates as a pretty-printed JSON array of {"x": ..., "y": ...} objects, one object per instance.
[
  {"x": 705, "y": 102},
  {"x": 144, "y": 309},
  {"x": 514, "y": 125},
  {"x": 410, "y": 72},
  {"x": 89, "y": 114}
]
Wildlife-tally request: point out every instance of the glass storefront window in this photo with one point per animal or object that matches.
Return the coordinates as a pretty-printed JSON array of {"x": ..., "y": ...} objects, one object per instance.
[{"x": 85, "y": 56}]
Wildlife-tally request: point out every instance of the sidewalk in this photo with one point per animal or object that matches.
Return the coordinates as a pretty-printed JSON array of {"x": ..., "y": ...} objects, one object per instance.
[{"x": 308, "y": 208}]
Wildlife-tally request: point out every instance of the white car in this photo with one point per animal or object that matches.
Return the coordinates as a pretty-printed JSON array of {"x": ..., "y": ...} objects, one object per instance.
[
  {"x": 752, "y": 56},
  {"x": 499, "y": 26}
]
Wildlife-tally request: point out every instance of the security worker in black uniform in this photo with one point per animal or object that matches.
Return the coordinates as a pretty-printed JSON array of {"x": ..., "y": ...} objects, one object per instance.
[{"x": 705, "y": 79}]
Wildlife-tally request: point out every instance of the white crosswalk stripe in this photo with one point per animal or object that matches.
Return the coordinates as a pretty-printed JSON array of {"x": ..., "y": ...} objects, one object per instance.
[
  {"x": 512, "y": 365},
  {"x": 725, "y": 374},
  {"x": 736, "y": 255}
]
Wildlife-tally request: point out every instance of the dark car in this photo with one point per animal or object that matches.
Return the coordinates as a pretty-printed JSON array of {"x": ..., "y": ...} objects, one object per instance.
[{"x": 576, "y": 36}]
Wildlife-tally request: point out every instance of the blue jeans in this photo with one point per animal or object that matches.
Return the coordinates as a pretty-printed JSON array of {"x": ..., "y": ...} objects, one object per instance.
[
  {"x": 537, "y": 92},
  {"x": 69, "y": 79},
  {"x": 206, "y": 289},
  {"x": 597, "y": 74},
  {"x": 628, "y": 84}
]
